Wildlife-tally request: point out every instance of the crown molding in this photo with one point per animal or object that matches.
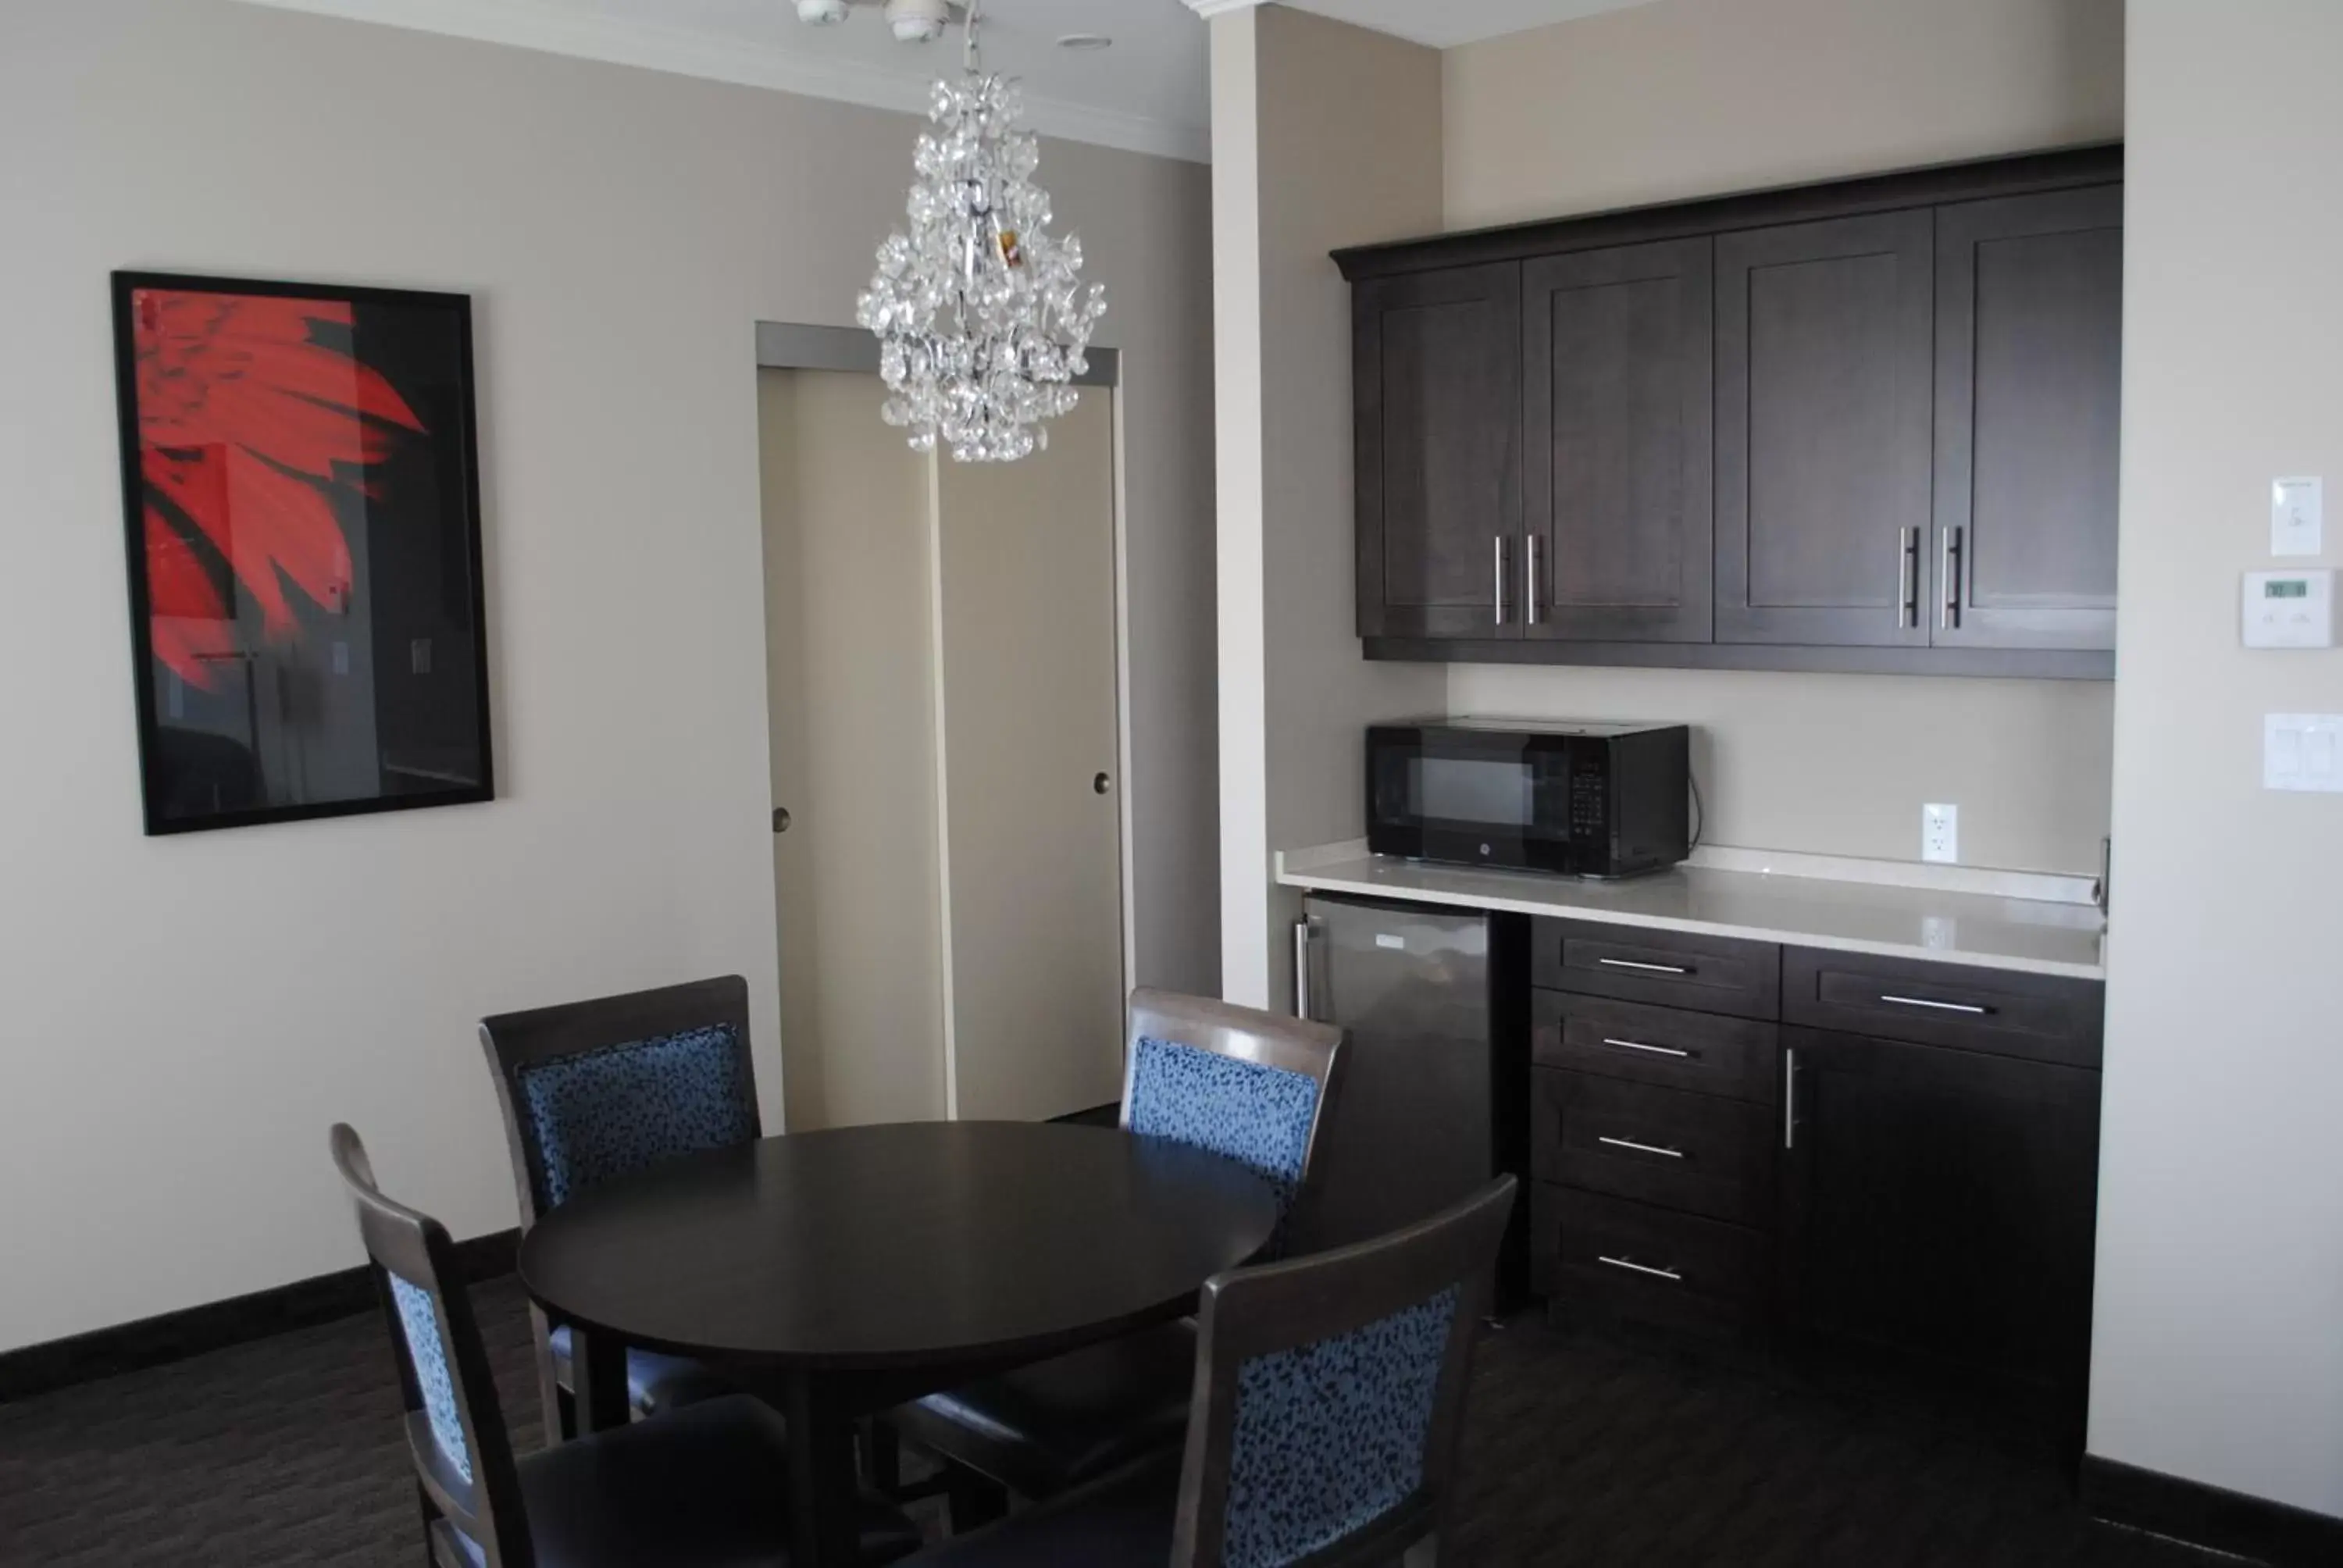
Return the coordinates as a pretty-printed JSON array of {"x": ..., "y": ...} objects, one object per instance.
[
  {"x": 1210, "y": 8},
  {"x": 678, "y": 51}
]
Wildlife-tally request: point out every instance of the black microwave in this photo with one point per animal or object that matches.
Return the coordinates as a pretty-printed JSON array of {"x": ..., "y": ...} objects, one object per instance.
[{"x": 1583, "y": 800}]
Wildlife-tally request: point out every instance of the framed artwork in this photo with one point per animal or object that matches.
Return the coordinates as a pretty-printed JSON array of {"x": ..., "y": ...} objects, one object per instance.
[{"x": 301, "y": 486}]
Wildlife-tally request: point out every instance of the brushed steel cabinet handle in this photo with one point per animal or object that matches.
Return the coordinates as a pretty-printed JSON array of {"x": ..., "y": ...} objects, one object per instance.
[
  {"x": 1790, "y": 1098},
  {"x": 1497, "y": 545},
  {"x": 1641, "y": 1148},
  {"x": 1939, "y": 1006},
  {"x": 1530, "y": 597},
  {"x": 1639, "y": 1045},
  {"x": 1908, "y": 578},
  {"x": 1634, "y": 1267},
  {"x": 1646, "y": 968},
  {"x": 1948, "y": 613},
  {"x": 1301, "y": 969}
]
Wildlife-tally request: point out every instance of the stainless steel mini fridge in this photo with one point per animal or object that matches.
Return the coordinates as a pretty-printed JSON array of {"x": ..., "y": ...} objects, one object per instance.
[{"x": 1435, "y": 1087}]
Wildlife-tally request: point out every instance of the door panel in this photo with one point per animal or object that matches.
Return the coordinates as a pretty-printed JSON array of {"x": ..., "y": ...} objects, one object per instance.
[
  {"x": 2029, "y": 411},
  {"x": 1025, "y": 670},
  {"x": 1437, "y": 360},
  {"x": 1822, "y": 443},
  {"x": 1617, "y": 489}
]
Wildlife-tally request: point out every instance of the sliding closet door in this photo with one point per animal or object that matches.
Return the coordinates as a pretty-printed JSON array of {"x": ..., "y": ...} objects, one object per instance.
[
  {"x": 857, "y": 875},
  {"x": 1033, "y": 838}
]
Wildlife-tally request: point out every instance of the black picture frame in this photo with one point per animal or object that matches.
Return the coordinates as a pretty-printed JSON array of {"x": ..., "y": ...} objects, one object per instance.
[{"x": 441, "y": 456}]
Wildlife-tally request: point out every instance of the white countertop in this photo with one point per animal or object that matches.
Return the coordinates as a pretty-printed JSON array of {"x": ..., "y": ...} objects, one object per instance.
[{"x": 1951, "y": 915}]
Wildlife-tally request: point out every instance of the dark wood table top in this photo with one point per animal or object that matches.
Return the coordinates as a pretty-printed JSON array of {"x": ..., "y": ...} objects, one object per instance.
[{"x": 918, "y": 1243}]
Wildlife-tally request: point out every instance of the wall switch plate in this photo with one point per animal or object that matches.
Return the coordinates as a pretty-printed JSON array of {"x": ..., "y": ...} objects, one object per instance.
[
  {"x": 2296, "y": 519},
  {"x": 2288, "y": 609},
  {"x": 1940, "y": 833},
  {"x": 2303, "y": 752}
]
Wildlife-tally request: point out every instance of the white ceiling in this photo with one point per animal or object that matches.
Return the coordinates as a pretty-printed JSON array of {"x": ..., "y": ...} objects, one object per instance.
[{"x": 1150, "y": 93}]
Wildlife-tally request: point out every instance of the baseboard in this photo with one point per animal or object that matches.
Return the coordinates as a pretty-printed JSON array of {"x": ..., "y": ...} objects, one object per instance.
[
  {"x": 174, "y": 1336},
  {"x": 2209, "y": 1516}
]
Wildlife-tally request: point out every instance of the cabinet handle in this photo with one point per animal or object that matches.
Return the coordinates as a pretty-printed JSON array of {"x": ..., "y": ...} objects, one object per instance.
[
  {"x": 1790, "y": 1098},
  {"x": 1948, "y": 614},
  {"x": 1498, "y": 549},
  {"x": 1639, "y": 1045},
  {"x": 1908, "y": 578},
  {"x": 1647, "y": 969},
  {"x": 1641, "y": 1148},
  {"x": 1939, "y": 1006},
  {"x": 1634, "y": 1267},
  {"x": 1301, "y": 969},
  {"x": 1530, "y": 596}
]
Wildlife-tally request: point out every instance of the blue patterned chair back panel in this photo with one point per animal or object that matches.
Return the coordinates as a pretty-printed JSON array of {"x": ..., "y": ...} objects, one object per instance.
[
  {"x": 1330, "y": 1436},
  {"x": 618, "y": 1108},
  {"x": 1256, "y": 1115},
  {"x": 428, "y": 1355}
]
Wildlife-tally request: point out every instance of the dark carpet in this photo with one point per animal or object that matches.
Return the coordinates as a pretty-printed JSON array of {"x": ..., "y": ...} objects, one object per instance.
[{"x": 1579, "y": 1450}]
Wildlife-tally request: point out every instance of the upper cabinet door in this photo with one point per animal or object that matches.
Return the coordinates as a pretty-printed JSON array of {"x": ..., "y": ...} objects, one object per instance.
[
  {"x": 1617, "y": 487},
  {"x": 2029, "y": 405},
  {"x": 1825, "y": 334},
  {"x": 1437, "y": 360}
]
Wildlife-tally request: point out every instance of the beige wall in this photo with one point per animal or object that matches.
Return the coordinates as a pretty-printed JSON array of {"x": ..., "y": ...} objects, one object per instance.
[
  {"x": 2218, "y": 1346},
  {"x": 194, "y": 1011},
  {"x": 1331, "y": 138},
  {"x": 1685, "y": 98}
]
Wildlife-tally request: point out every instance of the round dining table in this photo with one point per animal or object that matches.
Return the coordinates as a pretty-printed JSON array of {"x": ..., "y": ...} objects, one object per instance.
[{"x": 844, "y": 1271}]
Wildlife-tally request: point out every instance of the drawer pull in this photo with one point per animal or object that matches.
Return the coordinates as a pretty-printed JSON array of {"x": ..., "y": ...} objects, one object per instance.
[
  {"x": 1635, "y": 1267},
  {"x": 1641, "y": 1148},
  {"x": 1646, "y": 968},
  {"x": 1939, "y": 1006},
  {"x": 1639, "y": 1045}
]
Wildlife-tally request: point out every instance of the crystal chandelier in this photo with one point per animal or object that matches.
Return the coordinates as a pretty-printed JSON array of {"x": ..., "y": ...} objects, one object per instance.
[{"x": 981, "y": 312}]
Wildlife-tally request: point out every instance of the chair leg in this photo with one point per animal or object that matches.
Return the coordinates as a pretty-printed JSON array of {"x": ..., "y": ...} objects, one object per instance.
[
  {"x": 431, "y": 1516},
  {"x": 975, "y": 1500},
  {"x": 882, "y": 1458}
]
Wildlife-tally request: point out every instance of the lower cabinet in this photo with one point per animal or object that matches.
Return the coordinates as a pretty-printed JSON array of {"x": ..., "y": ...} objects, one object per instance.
[
  {"x": 1930, "y": 1203},
  {"x": 1940, "y": 1204}
]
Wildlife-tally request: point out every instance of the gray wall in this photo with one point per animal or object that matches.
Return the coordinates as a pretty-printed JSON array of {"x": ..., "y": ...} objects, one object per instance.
[{"x": 188, "y": 1015}]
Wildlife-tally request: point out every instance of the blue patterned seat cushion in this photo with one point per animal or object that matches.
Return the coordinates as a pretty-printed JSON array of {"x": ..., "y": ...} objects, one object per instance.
[
  {"x": 1256, "y": 1115},
  {"x": 618, "y": 1108},
  {"x": 1329, "y": 1437},
  {"x": 429, "y": 1356}
]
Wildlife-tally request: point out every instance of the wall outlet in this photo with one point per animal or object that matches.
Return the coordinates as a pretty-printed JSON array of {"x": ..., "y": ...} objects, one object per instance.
[{"x": 1940, "y": 833}]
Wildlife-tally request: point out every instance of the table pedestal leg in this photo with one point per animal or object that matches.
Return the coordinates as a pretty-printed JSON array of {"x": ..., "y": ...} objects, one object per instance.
[
  {"x": 822, "y": 1489},
  {"x": 598, "y": 1377}
]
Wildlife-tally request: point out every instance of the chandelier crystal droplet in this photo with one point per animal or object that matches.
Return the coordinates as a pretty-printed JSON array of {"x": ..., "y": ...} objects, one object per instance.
[{"x": 980, "y": 313}]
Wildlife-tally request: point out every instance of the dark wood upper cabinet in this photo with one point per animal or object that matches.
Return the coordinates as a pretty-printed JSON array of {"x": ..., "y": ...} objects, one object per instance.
[
  {"x": 1941, "y": 1204},
  {"x": 1866, "y": 425},
  {"x": 1617, "y": 387},
  {"x": 2029, "y": 409},
  {"x": 1824, "y": 345},
  {"x": 1436, "y": 357}
]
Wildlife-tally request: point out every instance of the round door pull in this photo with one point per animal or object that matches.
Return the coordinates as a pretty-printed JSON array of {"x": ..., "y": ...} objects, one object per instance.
[
  {"x": 781, "y": 819},
  {"x": 1099, "y": 784}
]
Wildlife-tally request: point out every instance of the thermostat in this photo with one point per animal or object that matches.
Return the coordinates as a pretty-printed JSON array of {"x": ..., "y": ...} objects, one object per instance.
[{"x": 2290, "y": 610}]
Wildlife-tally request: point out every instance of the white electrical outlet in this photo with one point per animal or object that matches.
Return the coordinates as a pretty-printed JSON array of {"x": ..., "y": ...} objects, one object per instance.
[{"x": 1940, "y": 833}]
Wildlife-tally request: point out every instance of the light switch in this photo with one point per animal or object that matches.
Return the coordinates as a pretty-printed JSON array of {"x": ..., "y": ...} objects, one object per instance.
[
  {"x": 2290, "y": 609},
  {"x": 2296, "y": 519},
  {"x": 2303, "y": 752}
]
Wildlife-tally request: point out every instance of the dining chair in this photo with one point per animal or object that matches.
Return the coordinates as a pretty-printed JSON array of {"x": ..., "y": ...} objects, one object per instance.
[
  {"x": 694, "y": 1488},
  {"x": 1329, "y": 1396},
  {"x": 1253, "y": 1086},
  {"x": 593, "y": 1090}
]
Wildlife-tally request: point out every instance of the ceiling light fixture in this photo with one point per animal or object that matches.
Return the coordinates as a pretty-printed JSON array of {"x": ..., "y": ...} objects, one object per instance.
[
  {"x": 980, "y": 313},
  {"x": 918, "y": 21},
  {"x": 823, "y": 12}
]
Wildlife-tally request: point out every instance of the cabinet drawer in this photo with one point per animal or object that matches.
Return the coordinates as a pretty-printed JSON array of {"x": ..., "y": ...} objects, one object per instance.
[
  {"x": 1689, "y": 1151},
  {"x": 2041, "y": 1018},
  {"x": 1673, "y": 969},
  {"x": 1645, "y": 1264},
  {"x": 1702, "y": 1052}
]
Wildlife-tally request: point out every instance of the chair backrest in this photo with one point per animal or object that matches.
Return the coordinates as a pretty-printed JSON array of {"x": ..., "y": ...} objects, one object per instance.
[
  {"x": 1330, "y": 1396},
  {"x": 455, "y": 1427},
  {"x": 1250, "y": 1085},
  {"x": 593, "y": 1090}
]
